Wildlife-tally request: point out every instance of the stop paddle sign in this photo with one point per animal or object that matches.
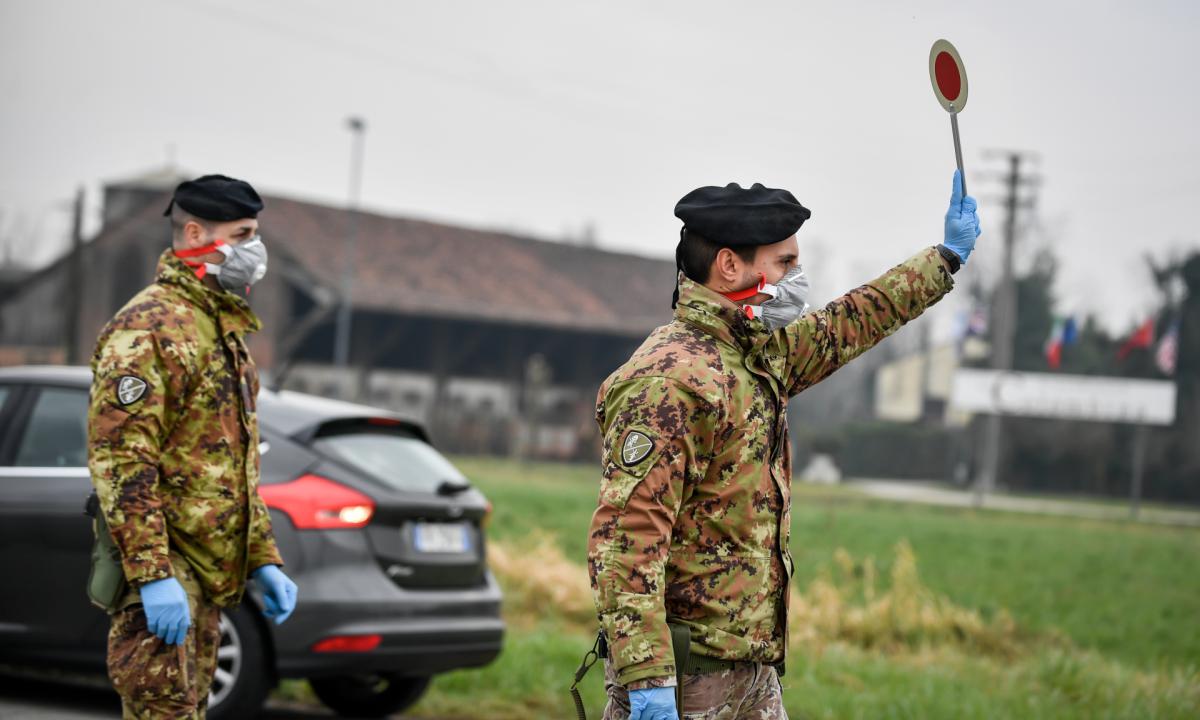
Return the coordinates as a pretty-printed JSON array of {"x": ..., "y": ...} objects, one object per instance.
[{"x": 949, "y": 79}]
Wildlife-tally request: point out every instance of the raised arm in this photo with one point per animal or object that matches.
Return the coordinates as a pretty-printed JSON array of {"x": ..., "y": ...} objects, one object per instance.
[{"x": 821, "y": 342}]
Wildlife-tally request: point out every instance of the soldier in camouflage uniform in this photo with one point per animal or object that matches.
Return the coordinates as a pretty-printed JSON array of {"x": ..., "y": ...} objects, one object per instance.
[
  {"x": 173, "y": 453},
  {"x": 693, "y": 524}
]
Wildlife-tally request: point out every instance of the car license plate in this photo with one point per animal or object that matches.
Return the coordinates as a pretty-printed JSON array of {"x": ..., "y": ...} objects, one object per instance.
[{"x": 441, "y": 537}]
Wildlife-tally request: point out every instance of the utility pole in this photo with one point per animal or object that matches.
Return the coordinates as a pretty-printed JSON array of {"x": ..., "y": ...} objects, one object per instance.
[
  {"x": 1003, "y": 325},
  {"x": 74, "y": 306},
  {"x": 341, "y": 346}
]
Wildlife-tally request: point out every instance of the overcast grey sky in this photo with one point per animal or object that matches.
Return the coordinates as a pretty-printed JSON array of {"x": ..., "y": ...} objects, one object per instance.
[{"x": 545, "y": 117}]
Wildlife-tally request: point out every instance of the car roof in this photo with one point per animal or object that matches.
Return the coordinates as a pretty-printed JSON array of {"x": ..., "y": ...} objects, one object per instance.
[
  {"x": 293, "y": 413},
  {"x": 74, "y": 375},
  {"x": 285, "y": 411}
]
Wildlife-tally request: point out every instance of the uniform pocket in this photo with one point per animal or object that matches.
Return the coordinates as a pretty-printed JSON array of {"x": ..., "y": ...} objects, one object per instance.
[
  {"x": 712, "y": 696},
  {"x": 735, "y": 593},
  {"x": 145, "y": 671}
]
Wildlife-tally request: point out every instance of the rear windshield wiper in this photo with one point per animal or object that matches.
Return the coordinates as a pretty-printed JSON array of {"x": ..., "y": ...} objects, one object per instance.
[{"x": 452, "y": 487}]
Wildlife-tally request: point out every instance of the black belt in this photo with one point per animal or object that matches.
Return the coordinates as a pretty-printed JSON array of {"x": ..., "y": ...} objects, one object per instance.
[{"x": 687, "y": 663}]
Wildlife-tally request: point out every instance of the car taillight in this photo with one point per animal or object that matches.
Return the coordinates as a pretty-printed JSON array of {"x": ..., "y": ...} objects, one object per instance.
[
  {"x": 348, "y": 643},
  {"x": 487, "y": 516},
  {"x": 317, "y": 503},
  {"x": 385, "y": 422}
]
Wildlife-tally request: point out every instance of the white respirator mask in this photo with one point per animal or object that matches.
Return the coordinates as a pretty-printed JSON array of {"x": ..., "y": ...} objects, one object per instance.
[
  {"x": 788, "y": 299},
  {"x": 245, "y": 263}
]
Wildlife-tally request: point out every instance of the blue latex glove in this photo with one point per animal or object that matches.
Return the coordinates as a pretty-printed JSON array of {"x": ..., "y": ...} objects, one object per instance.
[
  {"x": 653, "y": 704},
  {"x": 279, "y": 592},
  {"x": 167, "y": 613},
  {"x": 962, "y": 222}
]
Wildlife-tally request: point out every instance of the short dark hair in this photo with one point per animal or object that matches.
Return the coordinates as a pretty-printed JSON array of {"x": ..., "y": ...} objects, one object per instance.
[
  {"x": 697, "y": 253},
  {"x": 180, "y": 217}
]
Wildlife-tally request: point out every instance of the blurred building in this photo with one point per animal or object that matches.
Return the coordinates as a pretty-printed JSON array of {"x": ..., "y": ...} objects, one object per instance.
[
  {"x": 917, "y": 387},
  {"x": 884, "y": 415},
  {"x": 497, "y": 341}
]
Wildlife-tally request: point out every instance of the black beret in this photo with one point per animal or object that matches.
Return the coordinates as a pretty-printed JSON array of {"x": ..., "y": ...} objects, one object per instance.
[
  {"x": 733, "y": 216},
  {"x": 216, "y": 197}
]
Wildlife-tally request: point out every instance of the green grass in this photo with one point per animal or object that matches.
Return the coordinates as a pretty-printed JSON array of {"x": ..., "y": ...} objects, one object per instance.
[
  {"x": 1127, "y": 590},
  {"x": 1109, "y": 612},
  {"x": 849, "y": 684},
  {"x": 555, "y": 498},
  {"x": 530, "y": 679}
]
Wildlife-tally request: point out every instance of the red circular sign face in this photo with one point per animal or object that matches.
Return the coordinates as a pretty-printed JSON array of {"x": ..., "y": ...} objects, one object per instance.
[
  {"x": 948, "y": 76},
  {"x": 948, "y": 79}
]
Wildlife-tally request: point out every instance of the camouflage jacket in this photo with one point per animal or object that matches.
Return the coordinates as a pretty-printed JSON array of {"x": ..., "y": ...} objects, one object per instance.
[
  {"x": 694, "y": 513},
  {"x": 173, "y": 434}
]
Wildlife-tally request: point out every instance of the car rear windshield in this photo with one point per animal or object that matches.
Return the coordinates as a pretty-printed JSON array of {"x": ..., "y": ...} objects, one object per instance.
[{"x": 395, "y": 459}]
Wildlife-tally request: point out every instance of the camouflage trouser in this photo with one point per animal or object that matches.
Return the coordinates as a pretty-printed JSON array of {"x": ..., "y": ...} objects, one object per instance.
[
  {"x": 156, "y": 680},
  {"x": 751, "y": 691}
]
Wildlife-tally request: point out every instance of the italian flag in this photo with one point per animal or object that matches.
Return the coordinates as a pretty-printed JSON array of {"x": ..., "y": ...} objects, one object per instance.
[{"x": 1063, "y": 333}]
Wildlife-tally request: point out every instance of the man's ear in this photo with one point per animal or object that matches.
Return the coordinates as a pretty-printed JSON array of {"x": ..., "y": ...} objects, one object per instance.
[
  {"x": 727, "y": 267},
  {"x": 193, "y": 234}
]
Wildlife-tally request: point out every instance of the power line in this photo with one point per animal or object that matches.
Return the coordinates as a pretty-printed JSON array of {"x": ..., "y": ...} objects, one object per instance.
[{"x": 500, "y": 85}]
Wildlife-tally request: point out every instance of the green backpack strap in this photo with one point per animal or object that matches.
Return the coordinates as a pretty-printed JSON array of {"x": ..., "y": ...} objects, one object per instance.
[{"x": 681, "y": 645}]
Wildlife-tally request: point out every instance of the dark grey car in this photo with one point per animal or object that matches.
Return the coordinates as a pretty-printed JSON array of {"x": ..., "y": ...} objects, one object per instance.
[{"x": 383, "y": 536}]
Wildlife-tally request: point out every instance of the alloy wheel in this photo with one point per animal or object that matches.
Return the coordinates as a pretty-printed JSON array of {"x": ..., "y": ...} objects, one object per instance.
[{"x": 229, "y": 663}]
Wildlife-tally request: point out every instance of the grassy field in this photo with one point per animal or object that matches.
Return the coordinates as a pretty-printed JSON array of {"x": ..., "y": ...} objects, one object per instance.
[{"x": 900, "y": 611}]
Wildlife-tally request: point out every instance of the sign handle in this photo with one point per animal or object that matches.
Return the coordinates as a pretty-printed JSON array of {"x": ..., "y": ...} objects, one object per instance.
[{"x": 958, "y": 150}]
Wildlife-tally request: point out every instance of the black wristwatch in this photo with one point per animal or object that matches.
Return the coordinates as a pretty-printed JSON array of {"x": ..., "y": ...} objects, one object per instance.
[{"x": 951, "y": 258}]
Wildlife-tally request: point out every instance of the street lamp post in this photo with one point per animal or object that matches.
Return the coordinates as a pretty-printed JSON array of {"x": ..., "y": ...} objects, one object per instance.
[{"x": 341, "y": 346}]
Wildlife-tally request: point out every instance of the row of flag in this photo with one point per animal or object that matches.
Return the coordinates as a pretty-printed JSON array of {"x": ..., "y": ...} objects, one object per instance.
[{"x": 1065, "y": 332}]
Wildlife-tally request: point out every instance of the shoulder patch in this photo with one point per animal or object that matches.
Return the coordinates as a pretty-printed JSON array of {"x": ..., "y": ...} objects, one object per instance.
[
  {"x": 635, "y": 448},
  {"x": 630, "y": 455},
  {"x": 130, "y": 389}
]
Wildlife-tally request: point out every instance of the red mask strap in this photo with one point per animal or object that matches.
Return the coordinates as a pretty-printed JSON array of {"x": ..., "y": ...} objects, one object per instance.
[
  {"x": 739, "y": 295},
  {"x": 199, "y": 267},
  {"x": 202, "y": 250}
]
